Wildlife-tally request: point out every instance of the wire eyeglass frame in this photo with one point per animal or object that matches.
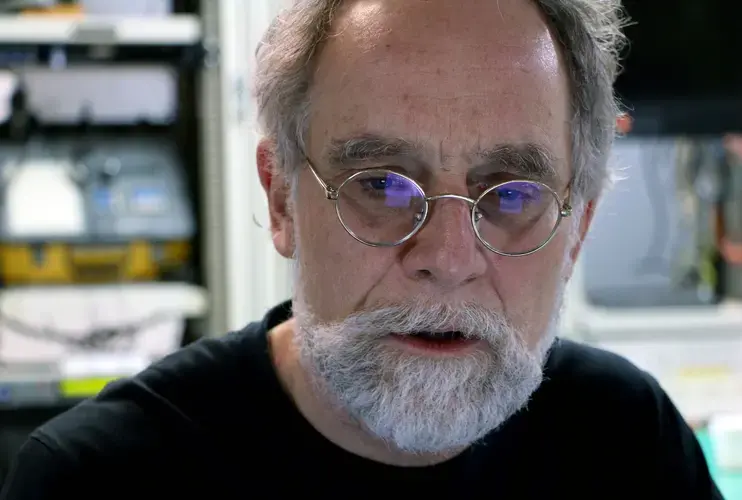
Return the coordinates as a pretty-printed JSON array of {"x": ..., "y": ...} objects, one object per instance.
[{"x": 332, "y": 193}]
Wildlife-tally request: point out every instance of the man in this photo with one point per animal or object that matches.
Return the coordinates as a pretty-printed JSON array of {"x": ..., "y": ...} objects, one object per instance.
[{"x": 432, "y": 167}]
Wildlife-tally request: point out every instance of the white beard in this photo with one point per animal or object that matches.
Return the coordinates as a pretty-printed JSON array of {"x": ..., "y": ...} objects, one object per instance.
[
  {"x": 422, "y": 404},
  {"x": 415, "y": 403}
]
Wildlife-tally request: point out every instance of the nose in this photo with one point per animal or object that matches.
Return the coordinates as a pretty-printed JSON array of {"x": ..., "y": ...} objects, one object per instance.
[{"x": 446, "y": 251}]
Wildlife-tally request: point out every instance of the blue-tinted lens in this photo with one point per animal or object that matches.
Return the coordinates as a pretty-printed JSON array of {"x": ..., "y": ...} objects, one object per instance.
[
  {"x": 396, "y": 190},
  {"x": 517, "y": 216},
  {"x": 380, "y": 206},
  {"x": 517, "y": 197}
]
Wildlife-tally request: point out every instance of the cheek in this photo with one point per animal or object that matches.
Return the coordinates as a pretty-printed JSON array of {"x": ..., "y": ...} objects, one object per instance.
[
  {"x": 319, "y": 238},
  {"x": 529, "y": 285},
  {"x": 336, "y": 271}
]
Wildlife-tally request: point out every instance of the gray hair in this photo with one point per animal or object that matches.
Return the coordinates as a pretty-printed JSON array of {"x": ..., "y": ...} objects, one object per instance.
[{"x": 590, "y": 32}]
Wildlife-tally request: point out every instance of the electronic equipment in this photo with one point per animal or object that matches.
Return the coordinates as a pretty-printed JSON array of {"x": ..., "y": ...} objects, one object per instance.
[
  {"x": 93, "y": 210},
  {"x": 55, "y": 7}
]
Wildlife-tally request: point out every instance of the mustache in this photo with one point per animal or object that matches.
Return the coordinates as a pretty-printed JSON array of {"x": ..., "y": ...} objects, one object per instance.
[{"x": 470, "y": 320}]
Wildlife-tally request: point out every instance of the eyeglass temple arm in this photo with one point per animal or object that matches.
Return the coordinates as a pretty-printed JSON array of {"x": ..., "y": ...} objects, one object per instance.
[
  {"x": 566, "y": 208},
  {"x": 330, "y": 192}
]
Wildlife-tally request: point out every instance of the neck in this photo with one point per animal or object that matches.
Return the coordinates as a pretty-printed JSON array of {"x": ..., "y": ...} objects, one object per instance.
[{"x": 329, "y": 420}]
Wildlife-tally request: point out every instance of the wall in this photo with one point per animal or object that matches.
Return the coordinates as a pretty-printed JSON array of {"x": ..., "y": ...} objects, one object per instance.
[{"x": 257, "y": 278}]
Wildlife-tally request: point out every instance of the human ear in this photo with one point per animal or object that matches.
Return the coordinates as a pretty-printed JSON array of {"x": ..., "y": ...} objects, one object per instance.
[{"x": 277, "y": 190}]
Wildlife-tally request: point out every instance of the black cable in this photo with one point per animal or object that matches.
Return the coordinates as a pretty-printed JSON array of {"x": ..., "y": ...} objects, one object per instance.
[{"x": 90, "y": 340}]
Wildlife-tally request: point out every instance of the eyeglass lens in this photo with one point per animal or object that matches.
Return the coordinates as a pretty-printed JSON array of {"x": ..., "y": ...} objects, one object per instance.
[{"x": 383, "y": 208}]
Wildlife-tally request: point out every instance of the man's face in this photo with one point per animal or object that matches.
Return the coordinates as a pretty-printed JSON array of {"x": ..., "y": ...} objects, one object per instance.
[{"x": 455, "y": 81}]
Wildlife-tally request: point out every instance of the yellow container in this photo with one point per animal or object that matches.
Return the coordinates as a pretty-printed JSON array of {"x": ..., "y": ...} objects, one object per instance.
[{"x": 61, "y": 263}]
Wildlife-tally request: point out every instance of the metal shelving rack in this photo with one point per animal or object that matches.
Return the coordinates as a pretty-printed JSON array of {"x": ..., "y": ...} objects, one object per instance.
[
  {"x": 32, "y": 393},
  {"x": 49, "y": 41},
  {"x": 242, "y": 272},
  {"x": 39, "y": 40},
  {"x": 174, "y": 30}
]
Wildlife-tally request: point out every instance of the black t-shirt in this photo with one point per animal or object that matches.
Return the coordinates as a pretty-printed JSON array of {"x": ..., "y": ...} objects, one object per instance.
[{"x": 212, "y": 421}]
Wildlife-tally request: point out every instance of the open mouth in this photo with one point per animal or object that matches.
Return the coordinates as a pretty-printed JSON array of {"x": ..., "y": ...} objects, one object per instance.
[
  {"x": 437, "y": 340},
  {"x": 439, "y": 336}
]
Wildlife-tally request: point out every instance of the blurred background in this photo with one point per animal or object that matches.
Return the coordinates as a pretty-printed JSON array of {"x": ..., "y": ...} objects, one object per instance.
[{"x": 132, "y": 221}]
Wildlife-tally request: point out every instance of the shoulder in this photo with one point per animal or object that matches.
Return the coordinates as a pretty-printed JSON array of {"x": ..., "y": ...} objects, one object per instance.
[
  {"x": 174, "y": 409},
  {"x": 594, "y": 390},
  {"x": 594, "y": 370},
  {"x": 608, "y": 403},
  {"x": 619, "y": 414}
]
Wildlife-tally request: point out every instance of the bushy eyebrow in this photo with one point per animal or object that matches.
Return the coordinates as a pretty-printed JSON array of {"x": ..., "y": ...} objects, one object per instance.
[
  {"x": 364, "y": 148},
  {"x": 526, "y": 160}
]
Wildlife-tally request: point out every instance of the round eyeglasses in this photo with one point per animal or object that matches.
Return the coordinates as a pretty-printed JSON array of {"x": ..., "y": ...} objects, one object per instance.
[{"x": 383, "y": 208}]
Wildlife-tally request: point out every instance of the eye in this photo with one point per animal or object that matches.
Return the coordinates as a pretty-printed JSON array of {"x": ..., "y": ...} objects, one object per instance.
[
  {"x": 375, "y": 183},
  {"x": 510, "y": 194},
  {"x": 385, "y": 182},
  {"x": 522, "y": 192},
  {"x": 490, "y": 181}
]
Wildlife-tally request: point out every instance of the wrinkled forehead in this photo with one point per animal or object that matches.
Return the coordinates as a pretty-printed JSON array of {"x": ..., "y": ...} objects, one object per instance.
[
  {"x": 422, "y": 31},
  {"x": 458, "y": 77}
]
